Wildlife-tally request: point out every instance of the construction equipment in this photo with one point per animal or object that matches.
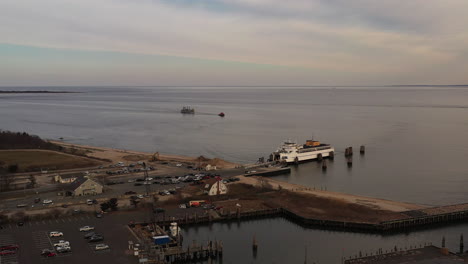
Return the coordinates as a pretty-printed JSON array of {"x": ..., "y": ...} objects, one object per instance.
[{"x": 155, "y": 157}]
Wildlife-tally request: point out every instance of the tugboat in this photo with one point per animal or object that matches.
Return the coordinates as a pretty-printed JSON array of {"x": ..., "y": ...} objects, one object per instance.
[
  {"x": 221, "y": 114},
  {"x": 187, "y": 110}
]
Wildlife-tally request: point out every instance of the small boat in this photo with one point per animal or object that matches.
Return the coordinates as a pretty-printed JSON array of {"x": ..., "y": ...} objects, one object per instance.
[
  {"x": 221, "y": 114},
  {"x": 187, "y": 110}
]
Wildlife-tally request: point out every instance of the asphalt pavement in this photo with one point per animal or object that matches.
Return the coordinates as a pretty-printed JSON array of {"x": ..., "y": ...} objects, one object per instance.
[{"x": 33, "y": 237}]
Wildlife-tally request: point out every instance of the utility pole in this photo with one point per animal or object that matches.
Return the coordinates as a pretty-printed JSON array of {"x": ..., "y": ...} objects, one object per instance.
[{"x": 147, "y": 186}]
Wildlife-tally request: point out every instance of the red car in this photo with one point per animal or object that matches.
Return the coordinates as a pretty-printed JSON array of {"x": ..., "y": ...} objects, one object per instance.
[
  {"x": 7, "y": 252},
  {"x": 48, "y": 253},
  {"x": 9, "y": 247}
]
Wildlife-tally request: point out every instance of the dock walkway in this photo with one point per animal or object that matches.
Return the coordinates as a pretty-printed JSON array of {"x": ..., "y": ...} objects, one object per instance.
[{"x": 408, "y": 219}]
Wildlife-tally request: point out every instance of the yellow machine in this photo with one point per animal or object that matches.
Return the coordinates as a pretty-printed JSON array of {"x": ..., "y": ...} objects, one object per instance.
[{"x": 155, "y": 157}]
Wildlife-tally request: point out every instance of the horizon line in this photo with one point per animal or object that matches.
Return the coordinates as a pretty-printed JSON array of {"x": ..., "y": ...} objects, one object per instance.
[{"x": 211, "y": 86}]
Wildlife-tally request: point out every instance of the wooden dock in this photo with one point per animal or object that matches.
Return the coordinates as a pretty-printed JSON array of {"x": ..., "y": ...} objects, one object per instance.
[
  {"x": 269, "y": 171},
  {"x": 396, "y": 223},
  {"x": 428, "y": 216}
]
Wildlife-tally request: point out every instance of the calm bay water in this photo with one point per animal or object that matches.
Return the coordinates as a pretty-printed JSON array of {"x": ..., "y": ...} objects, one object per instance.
[
  {"x": 280, "y": 241},
  {"x": 415, "y": 140}
]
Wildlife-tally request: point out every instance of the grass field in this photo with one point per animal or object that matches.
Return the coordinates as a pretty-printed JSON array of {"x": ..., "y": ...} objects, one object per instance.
[{"x": 34, "y": 160}]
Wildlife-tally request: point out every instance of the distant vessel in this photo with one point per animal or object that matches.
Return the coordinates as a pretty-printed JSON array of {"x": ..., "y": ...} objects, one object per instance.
[
  {"x": 292, "y": 152},
  {"x": 187, "y": 110},
  {"x": 221, "y": 114}
]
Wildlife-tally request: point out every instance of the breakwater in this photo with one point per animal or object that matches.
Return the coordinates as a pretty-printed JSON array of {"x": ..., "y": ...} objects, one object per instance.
[{"x": 407, "y": 220}]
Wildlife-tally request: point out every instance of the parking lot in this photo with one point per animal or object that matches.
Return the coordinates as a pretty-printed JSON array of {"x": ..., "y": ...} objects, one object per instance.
[{"x": 33, "y": 237}]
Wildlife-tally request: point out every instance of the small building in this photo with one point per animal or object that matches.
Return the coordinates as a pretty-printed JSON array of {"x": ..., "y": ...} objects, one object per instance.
[
  {"x": 210, "y": 167},
  {"x": 67, "y": 177},
  {"x": 215, "y": 187},
  {"x": 83, "y": 186},
  {"x": 206, "y": 167}
]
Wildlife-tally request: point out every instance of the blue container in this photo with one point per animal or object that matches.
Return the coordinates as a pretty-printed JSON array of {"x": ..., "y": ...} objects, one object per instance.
[{"x": 161, "y": 240}]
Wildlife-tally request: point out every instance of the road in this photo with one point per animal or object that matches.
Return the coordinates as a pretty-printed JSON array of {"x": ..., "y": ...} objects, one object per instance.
[{"x": 116, "y": 190}]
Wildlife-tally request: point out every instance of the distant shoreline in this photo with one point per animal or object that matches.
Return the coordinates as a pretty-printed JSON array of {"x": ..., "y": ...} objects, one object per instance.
[{"x": 16, "y": 92}]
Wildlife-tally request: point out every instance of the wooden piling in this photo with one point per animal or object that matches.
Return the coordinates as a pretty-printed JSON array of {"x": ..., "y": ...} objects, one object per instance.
[
  {"x": 349, "y": 161},
  {"x": 324, "y": 165},
  {"x": 254, "y": 244},
  {"x": 362, "y": 150}
]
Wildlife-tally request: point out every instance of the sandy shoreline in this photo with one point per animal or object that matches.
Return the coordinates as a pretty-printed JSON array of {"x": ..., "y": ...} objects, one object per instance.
[
  {"x": 116, "y": 155},
  {"x": 374, "y": 203}
]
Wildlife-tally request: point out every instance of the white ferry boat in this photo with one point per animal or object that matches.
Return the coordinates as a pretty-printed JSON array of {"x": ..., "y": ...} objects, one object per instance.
[{"x": 292, "y": 152}]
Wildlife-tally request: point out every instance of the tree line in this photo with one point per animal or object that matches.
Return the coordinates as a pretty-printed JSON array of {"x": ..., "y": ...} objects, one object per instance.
[{"x": 23, "y": 140}]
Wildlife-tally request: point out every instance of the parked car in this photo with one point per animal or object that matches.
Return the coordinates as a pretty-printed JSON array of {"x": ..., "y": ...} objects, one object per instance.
[
  {"x": 9, "y": 247},
  {"x": 96, "y": 238},
  {"x": 131, "y": 180},
  {"x": 21, "y": 205},
  {"x": 63, "y": 249},
  {"x": 89, "y": 202},
  {"x": 48, "y": 253},
  {"x": 101, "y": 247},
  {"x": 159, "y": 210},
  {"x": 90, "y": 234},
  {"x": 7, "y": 252},
  {"x": 130, "y": 192},
  {"x": 98, "y": 215},
  {"x": 55, "y": 234},
  {"x": 47, "y": 201},
  {"x": 86, "y": 228},
  {"x": 138, "y": 184},
  {"x": 62, "y": 243},
  {"x": 140, "y": 196}
]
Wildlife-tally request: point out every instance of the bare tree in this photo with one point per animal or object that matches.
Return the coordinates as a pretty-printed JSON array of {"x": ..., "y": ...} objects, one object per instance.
[
  {"x": 6, "y": 180},
  {"x": 32, "y": 181}
]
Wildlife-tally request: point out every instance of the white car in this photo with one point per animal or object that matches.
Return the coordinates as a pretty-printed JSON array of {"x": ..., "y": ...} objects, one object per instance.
[
  {"x": 47, "y": 201},
  {"x": 55, "y": 234},
  {"x": 63, "y": 249},
  {"x": 178, "y": 165},
  {"x": 62, "y": 243},
  {"x": 149, "y": 179},
  {"x": 86, "y": 228},
  {"x": 140, "y": 196},
  {"x": 131, "y": 180},
  {"x": 101, "y": 246}
]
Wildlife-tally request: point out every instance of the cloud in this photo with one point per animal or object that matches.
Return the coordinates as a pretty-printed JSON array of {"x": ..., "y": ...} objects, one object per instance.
[{"x": 341, "y": 37}]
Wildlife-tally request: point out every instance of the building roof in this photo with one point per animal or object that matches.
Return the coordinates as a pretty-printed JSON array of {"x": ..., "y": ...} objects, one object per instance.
[
  {"x": 211, "y": 181},
  {"x": 71, "y": 175},
  {"x": 77, "y": 183}
]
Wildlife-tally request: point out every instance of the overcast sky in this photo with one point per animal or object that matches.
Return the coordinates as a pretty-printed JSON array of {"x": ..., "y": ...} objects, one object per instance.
[{"x": 233, "y": 42}]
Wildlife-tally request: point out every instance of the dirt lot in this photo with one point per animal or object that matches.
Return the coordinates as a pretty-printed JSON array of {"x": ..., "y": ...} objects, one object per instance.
[
  {"x": 249, "y": 197},
  {"x": 33, "y": 160}
]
